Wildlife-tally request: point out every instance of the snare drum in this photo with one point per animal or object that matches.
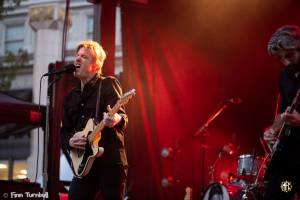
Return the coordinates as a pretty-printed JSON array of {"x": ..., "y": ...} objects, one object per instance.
[{"x": 247, "y": 165}]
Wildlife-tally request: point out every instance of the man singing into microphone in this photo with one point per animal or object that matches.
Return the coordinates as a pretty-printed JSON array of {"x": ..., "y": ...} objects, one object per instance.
[
  {"x": 90, "y": 100},
  {"x": 283, "y": 173}
]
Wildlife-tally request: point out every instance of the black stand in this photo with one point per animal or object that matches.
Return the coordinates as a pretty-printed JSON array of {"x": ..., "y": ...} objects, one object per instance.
[
  {"x": 51, "y": 81},
  {"x": 202, "y": 131}
]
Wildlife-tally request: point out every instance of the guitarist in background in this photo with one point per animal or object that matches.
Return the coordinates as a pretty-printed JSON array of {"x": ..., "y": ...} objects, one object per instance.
[
  {"x": 109, "y": 172},
  {"x": 283, "y": 174}
]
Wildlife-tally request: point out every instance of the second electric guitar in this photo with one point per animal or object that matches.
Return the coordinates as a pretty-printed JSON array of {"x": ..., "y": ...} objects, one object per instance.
[{"x": 284, "y": 132}]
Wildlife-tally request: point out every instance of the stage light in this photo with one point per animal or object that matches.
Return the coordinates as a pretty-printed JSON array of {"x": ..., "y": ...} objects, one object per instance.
[
  {"x": 167, "y": 152},
  {"x": 167, "y": 182},
  {"x": 229, "y": 149}
]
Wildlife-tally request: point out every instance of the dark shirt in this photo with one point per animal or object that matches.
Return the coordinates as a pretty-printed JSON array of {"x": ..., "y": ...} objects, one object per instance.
[
  {"x": 288, "y": 86},
  {"x": 80, "y": 106}
]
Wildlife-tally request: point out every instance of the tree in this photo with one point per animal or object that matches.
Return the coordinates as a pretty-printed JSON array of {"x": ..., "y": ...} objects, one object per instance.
[{"x": 11, "y": 63}]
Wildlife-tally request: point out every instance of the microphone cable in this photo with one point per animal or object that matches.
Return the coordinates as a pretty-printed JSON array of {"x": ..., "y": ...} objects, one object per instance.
[{"x": 38, "y": 131}]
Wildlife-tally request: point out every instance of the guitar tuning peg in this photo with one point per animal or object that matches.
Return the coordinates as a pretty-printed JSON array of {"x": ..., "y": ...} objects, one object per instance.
[{"x": 108, "y": 108}]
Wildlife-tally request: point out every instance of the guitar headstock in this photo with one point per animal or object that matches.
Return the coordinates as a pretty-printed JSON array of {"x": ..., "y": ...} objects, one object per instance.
[
  {"x": 126, "y": 97},
  {"x": 296, "y": 101},
  {"x": 188, "y": 193},
  {"x": 297, "y": 97}
]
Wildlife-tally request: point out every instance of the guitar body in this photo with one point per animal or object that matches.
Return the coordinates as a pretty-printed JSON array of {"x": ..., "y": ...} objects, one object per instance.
[
  {"x": 82, "y": 160},
  {"x": 276, "y": 155}
]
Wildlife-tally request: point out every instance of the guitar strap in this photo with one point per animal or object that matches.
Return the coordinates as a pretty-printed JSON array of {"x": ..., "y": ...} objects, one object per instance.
[{"x": 97, "y": 119}]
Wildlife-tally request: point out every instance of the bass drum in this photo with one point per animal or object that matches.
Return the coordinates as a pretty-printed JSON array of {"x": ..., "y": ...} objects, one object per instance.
[{"x": 216, "y": 191}]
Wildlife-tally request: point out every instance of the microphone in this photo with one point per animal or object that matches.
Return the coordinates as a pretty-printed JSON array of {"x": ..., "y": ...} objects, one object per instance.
[
  {"x": 66, "y": 69},
  {"x": 234, "y": 100}
]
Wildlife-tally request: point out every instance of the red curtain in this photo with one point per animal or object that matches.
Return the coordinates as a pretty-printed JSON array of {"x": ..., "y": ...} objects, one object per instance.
[
  {"x": 174, "y": 84},
  {"x": 184, "y": 60}
]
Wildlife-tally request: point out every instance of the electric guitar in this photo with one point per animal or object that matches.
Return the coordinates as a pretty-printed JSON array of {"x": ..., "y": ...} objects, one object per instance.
[
  {"x": 82, "y": 160},
  {"x": 284, "y": 132}
]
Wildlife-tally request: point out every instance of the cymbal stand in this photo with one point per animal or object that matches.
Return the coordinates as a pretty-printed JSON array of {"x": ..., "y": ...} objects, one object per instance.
[{"x": 211, "y": 168}]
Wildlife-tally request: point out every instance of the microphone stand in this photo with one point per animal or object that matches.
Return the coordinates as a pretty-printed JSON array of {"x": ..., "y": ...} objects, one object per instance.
[
  {"x": 51, "y": 82},
  {"x": 203, "y": 128},
  {"x": 202, "y": 131}
]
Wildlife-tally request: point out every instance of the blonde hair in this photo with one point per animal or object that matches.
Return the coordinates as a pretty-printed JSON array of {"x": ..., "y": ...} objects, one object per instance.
[{"x": 96, "y": 50}]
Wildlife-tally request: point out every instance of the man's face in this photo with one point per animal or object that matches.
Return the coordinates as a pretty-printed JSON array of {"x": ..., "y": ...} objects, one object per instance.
[
  {"x": 289, "y": 57},
  {"x": 85, "y": 61}
]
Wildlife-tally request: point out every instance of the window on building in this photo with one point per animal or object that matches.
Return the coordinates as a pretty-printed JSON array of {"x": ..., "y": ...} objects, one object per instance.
[
  {"x": 90, "y": 27},
  {"x": 19, "y": 169},
  {"x": 14, "y": 37},
  {"x": 4, "y": 169},
  {"x": 13, "y": 169}
]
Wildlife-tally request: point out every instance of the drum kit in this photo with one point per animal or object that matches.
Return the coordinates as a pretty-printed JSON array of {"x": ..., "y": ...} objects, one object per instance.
[{"x": 236, "y": 179}]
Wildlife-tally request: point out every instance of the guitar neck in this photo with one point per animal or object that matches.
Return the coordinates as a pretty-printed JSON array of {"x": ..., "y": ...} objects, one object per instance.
[
  {"x": 291, "y": 109},
  {"x": 295, "y": 102},
  {"x": 111, "y": 111},
  {"x": 101, "y": 125}
]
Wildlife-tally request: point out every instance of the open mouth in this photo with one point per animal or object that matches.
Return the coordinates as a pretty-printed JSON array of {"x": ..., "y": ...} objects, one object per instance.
[{"x": 77, "y": 66}]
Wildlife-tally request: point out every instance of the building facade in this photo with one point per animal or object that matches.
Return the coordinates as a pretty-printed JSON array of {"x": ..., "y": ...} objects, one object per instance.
[{"x": 35, "y": 27}]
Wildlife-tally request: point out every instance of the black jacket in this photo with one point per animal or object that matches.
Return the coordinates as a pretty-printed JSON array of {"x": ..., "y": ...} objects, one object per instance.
[
  {"x": 80, "y": 106},
  {"x": 288, "y": 86},
  {"x": 287, "y": 154}
]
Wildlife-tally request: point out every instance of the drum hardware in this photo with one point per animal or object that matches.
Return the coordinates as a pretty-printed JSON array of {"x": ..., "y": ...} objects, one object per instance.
[
  {"x": 246, "y": 185},
  {"x": 226, "y": 150},
  {"x": 246, "y": 193},
  {"x": 211, "y": 168},
  {"x": 203, "y": 131},
  {"x": 251, "y": 192}
]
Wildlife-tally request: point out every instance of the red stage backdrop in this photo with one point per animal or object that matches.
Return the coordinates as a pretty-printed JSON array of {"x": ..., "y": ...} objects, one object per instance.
[{"x": 185, "y": 58}]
